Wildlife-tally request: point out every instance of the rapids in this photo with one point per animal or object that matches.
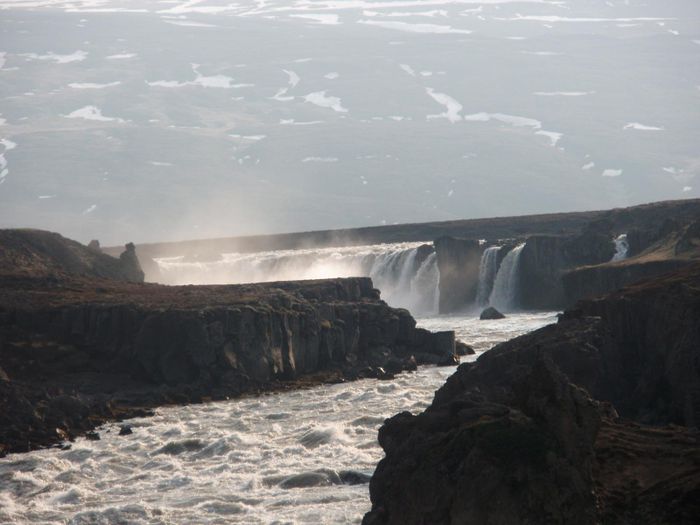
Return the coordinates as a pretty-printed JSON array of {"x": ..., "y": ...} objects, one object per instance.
[{"x": 280, "y": 458}]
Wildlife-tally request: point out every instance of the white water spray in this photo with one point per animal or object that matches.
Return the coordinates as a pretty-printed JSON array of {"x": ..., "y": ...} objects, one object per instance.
[
  {"x": 488, "y": 267},
  {"x": 505, "y": 288},
  {"x": 394, "y": 268},
  {"x": 621, "y": 247}
]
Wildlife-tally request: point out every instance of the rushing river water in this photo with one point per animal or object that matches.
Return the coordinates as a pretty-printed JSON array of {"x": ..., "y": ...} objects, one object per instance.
[{"x": 237, "y": 461}]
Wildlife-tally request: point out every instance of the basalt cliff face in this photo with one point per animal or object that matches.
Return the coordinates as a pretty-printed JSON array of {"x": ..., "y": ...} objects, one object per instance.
[
  {"x": 77, "y": 350},
  {"x": 458, "y": 263},
  {"x": 556, "y": 270},
  {"x": 671, "y": 246},
  {"x": 552, "y": 427}
]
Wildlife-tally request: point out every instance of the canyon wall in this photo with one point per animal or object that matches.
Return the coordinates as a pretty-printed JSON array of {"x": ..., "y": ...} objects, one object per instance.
[{"x": 554, "y": 426}]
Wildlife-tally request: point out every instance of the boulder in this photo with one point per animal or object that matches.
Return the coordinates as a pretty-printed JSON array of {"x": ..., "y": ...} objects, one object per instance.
[
  {"x": 491, "y": 313},
  {"x": 463, "y": 348}
]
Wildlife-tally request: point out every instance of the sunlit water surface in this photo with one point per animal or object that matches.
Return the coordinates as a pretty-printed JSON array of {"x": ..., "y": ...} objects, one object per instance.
[{"x": 227, "y": 462}]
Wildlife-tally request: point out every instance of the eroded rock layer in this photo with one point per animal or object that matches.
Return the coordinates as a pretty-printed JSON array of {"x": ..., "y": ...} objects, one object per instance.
[
  {"x": 551, "y": 427},
  {"x": 101, "y": 346}
]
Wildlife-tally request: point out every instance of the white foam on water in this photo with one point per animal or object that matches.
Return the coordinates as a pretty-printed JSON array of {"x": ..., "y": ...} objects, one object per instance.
[
  {"x": 92, "y": 85},
  {"x": 230, "y": 461},
  {"x": 160, "y": 163},
  {"x": 415, "y": 28},
  {"x": 92, "y": 113},
  {"x": 320, "y": 99},
  {"x": 452, "y": 107},
  {"x": 588, "y": 166},
  {"x": 320, "y": 18},
  {"x": 611, "y": 172},
  {"x": 90, "y": 209},
  {"x": 642, "y": 127},
  {"x": 331, "y": 76},
  {"x": 687, "y": 189}
]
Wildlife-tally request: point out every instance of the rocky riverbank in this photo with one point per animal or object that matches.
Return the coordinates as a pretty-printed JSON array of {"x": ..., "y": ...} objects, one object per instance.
[
  {"x": 77, "y": 349},
  {"x": 556, "y": 426}
]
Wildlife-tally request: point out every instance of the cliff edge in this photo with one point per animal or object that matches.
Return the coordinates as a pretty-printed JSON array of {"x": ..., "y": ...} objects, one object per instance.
[{"x": 591, "y": 420}]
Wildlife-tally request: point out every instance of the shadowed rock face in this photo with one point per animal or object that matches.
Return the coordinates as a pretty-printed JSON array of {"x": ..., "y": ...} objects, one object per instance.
[
  {"x": 40, "y": 253},
  {"x": 458, "y": 262},
  {"x": 671, "y": 246},
  {"x": 529, "y": 433},
  {"x": 545, "y": 258},
  {"x": 113, "y": 344}
]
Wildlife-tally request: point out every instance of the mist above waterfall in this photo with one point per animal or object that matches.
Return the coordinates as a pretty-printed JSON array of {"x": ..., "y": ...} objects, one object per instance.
[{"x": 405, "y": 273}]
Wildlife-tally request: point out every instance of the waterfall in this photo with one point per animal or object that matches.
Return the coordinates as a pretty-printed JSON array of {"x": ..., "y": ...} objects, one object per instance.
[
  {"x": 621, "y": 247},
  {"x": 394, "y": 269},
  {"x": 504, "y": 295},
  {"x": 487, "y": 273},
  {"x": 425, "y": 286}
]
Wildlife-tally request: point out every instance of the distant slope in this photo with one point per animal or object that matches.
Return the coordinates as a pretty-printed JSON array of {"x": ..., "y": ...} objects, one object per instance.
[
  {"x": 645, "y": 216},
  {"x": 38, "y": 253}
]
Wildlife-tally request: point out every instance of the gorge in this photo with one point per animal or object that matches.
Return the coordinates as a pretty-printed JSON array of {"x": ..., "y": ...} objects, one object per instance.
[{"x": 84, "y": 342}]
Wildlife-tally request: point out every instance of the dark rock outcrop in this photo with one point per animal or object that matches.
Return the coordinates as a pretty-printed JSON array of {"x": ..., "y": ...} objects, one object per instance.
[
  {"x": 531, "y": 432},
  {"x": 491, "y": 313},
  {"x": 33, "y": 253},
  {"x": 463, "y": 348},
  {"x": 130, "y": 264},
  {"x": 545, "y": 258},
  {"x": 110, "y": 344},
  {"x": 671, "y": 246},
  {"x": 458, "y": 262}
]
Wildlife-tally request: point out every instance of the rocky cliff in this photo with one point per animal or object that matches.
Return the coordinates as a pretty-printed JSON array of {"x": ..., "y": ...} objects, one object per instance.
[
  {"x": 545, "y": 259},
  {"x": 103, "y": 343},
  {"x": 41, "y": 253},
  {"x": 530, "y": 433},
  {"x": 671, "y": 246},
  {"x": 458, "y": 263},
  {"x": 82, "y": 340}
]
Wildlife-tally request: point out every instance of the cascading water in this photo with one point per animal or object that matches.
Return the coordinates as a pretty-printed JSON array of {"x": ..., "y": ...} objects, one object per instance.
[
  {"x": 621, "y": 247},
  {"x": 504, "y": 295},
  {"x": 425, "y": 286},
  {"x": 488, "y": 267},
  {"x": 404, "y": 280}
]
